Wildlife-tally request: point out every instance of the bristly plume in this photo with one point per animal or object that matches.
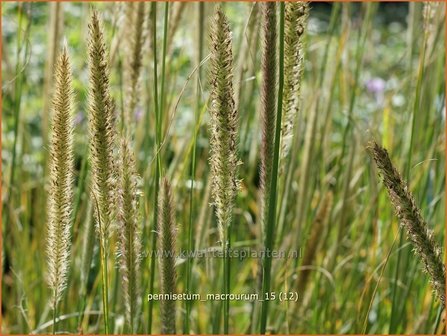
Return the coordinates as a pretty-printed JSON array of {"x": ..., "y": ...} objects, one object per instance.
[
  {"x": 167, "y": 237},
  {"x": 296, "y": 14},
  {"x": 102, "y": 148},
  {"x": 129, "y": 234},
  {"x": 411, "y": 219},
  {"x": 61, "y": 163},
  {"x": 223, "y": 123},
  {"x": 135, "y": 21},
  {"x": 102, "y": 131},
  {"x": 268, "y": 103}
]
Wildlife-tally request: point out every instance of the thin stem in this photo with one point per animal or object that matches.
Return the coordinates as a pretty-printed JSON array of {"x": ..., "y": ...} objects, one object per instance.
[
  {"x": 270, "y": 229},
  {"x": 395, "y": 298},
  {"x": 163, "y": 68},
  {"x": 226, "y": 281},
  {"x": 193, "y": 169},
  {"x": 157, "y": 171},
  {"x": 105, "y": 289},
  {"x": 54, "y": 315},
  {"x": 104, "y": 272},
  {"x": 158, "y": 114}
]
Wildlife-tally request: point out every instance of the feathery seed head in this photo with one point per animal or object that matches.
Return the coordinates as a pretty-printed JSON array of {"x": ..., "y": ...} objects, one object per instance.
[
  {"x": 129, "y": 233},
  {"x": 268, "y": 103},
  {"x": 223, "y": 123},
  {"x": 135, "y": 21},
  {"x": 167, "y": 233},
  {"x": 61, "y": 179},
  {"x": 296, "y": 14},
  {"x": 411, "y": 219},
  {"x": 101, "y": 129}
]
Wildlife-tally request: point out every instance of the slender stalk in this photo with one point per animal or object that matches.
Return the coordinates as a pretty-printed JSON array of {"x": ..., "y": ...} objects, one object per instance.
[
  {"x": 409, "y": 159},
  {"x": 86, "y": 261},
  {"x": 53, "y": 328},
  {"x": 104, "y": 278},
  {"x": 18, "y": 83},
  {"x": 159, "y": 111},
  {"x": 157, "y": 169},
  {"x": 163, "y": 69},
  {"x": 189, "y": 262},
  {"x": 271, "y": 223},
  {"x": 55, "y": 28}
]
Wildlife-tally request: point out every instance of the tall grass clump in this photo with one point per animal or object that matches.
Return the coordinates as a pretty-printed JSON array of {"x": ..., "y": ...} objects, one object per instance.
[
  {"x": 60, "y": 195},
  {"x": 268, "y": 103},
  {"x": 129, "y": 234},
  {"x": 223, "y": 137},
  {"x": 167, "y": 240},
  {"x": 296, "y": 14},
  {"x": 102, "y": 146},
  {"x": 411, "y": 219}
]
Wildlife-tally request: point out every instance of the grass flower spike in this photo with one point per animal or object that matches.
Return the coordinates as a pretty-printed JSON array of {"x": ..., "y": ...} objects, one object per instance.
[
  {"x": 411, "y": 219},
  {"x": 135, "y": 19},
  {"x": 167, "y": 234},
  {"x": 296, "y": 14},
  {"x": 223, "y": 139},
  {"x": 268, "y": 106},
  {"x": 102, "y": 144},
  {"x": 102, "y": 128},
  {"x": 129, "y": 234},
  {"x": 60, "y": 197},
  {"x": 224, "y": 122}
]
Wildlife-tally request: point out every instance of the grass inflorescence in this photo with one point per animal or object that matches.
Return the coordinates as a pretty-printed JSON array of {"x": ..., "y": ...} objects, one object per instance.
[
  {"x": 60, "y": 195},
  {"x": 102, "y": 147},
  {"x": 411, "y": 219}
]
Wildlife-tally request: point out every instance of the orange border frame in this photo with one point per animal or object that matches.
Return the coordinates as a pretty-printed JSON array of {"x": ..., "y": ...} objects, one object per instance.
[{"x": 1, "y": 122}]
